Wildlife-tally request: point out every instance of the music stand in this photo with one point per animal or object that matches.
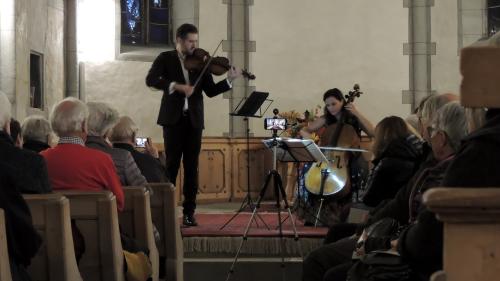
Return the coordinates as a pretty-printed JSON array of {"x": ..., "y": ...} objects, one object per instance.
[
  {"x": 246, "y": 108},
  {"x": 284, "y": 150},
  {"x": 299, "y": 151}
]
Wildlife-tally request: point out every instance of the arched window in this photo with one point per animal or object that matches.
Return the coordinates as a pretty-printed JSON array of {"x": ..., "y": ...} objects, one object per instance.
[
  {"x": 145, "y": 22},
  {"x": 493, "y": 16}
]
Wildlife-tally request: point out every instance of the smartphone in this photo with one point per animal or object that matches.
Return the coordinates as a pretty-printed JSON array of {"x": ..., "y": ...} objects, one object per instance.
[
  {"x": 140, "y": 141},
  {"x": 275, "y": 123}
]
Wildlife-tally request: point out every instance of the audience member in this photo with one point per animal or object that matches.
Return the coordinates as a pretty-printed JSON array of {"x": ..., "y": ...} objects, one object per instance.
[
  {"x": 421, "y": 243},
  {"x": 37, "y": 133},
  {"x": 15, "y": 133},
  {"x": 23, "y": 241},
  {"x": 32, "y": 176},
  {"x": 123, "y": 137},
  {"x": 397, "y": 153},
  {"x": 102, "y": 118},
  {"x": 71, "y": 165},
  {"x": 17, "y": 174}
]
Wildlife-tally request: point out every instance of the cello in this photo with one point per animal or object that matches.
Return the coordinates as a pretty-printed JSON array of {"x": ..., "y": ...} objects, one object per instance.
[{"x": 333, "y": 176}]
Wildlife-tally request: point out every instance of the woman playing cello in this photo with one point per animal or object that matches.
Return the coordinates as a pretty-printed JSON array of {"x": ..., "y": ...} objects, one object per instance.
[{"x": 342, "y": 124}]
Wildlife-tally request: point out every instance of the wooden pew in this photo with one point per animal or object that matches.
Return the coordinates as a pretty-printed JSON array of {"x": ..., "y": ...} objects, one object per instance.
[
  {"x": 96, "y": 216},
  {"x": 55, "y": 260},
  {"x": 135, "y": 221},
  {"x": 5, "y": 274},
  {"x": 165, "y": 217},
  {"x": 471, "y": 217}
]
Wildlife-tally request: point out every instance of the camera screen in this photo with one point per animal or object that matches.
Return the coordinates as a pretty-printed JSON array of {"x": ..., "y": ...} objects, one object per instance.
[
  {"x": 140, "y": 142},
  {"x": 275, "y": 123}
]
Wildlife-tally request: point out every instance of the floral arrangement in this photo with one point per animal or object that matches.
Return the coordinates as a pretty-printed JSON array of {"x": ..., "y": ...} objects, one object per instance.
[{"x": 297, "y": 121}]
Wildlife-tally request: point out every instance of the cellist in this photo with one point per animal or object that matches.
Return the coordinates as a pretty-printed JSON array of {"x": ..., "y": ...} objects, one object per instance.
[{"x": 338, "y": 112}]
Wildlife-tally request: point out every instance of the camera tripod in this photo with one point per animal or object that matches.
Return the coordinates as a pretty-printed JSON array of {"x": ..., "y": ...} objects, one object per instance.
[{"x": 279, "y": 191}]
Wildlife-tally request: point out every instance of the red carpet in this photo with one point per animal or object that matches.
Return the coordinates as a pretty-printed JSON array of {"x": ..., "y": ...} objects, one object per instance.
[{"x": 209, "y": 225}]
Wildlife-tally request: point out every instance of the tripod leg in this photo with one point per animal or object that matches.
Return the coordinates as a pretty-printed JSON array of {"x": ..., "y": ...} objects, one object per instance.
[
  {"x": 244, "y": 204},
  {"x": 245, "y": 233},
  {"x": 287, "y": 206},
  {"x": 277, "y": 187}
]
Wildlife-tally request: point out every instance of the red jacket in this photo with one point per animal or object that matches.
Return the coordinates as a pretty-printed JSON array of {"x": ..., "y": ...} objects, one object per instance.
[{"x": 76, "y": 167}]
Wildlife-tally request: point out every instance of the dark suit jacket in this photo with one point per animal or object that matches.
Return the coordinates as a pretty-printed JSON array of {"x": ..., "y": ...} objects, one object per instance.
[
  {"x": 22, "y": 239},
  {"x": 150, "y": 167},
  {"x": 166, "y": 69},
  {"x": 33, "y": 174}
]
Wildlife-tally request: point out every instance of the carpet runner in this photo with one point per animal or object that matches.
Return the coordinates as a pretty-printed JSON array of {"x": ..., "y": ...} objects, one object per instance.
[{"x": 207, "y": 239}]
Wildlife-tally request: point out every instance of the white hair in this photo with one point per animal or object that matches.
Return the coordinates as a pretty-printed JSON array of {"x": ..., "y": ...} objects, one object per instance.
[
  {"x": 124, "y": 130},
  {"x": 451, "y": 119},
  {"x": 68, "y": 115},
  {"x": 36, "y": 128},
  {"x": 5, "y": 110},
  {"x": 433, "y": 104},
  {"x": 101, "y": 119}
]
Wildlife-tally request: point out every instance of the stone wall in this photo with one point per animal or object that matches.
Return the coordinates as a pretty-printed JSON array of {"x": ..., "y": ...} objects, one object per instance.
[{"x": 39, "y": 28}]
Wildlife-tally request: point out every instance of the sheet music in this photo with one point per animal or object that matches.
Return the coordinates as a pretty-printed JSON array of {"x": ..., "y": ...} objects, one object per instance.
[{"x": 296, "y": 150}]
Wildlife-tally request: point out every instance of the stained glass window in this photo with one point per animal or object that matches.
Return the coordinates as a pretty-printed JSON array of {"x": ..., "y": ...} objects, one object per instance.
[
  {"x": 493, "y": 16},
  {"x": 145, "y": 22}
]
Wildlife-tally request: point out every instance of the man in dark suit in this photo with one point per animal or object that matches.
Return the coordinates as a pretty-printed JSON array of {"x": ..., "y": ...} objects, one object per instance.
[
  {"x": 33, "y": 176},
  {"x": 181, "y": 112}
]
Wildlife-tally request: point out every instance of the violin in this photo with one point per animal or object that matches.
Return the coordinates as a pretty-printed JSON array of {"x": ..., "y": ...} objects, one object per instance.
[
  {"x": 217, "y": 65},
  {"x": 332, "y": 177}
]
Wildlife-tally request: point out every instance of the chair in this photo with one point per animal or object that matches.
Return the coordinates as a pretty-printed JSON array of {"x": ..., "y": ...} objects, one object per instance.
[
  {"x": 5, "y": 274},
  {"x": 96, "y": 216},
  {"x": 165, "y": 218},
  {"x": 55, "y": 260},
  {"x": 135, "y": 221}
]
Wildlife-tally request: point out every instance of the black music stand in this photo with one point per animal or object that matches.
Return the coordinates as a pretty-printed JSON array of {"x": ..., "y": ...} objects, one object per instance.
[{"x": 248, "y": 107}]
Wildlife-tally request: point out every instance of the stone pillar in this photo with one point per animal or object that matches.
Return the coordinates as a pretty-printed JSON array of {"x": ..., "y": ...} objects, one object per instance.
[
  {"x": 472, "y": 21},
  {"x": 7, "y": 49},
  {"x": 419, "y": 49},
  {"x": 238, "y": 46},
  {"x": 184, "y": 11},
  {"x": 70, "y": 49}
]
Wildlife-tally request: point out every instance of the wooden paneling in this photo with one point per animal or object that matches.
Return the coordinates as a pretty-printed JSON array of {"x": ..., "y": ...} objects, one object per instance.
[{"x": 223, "y": 169}]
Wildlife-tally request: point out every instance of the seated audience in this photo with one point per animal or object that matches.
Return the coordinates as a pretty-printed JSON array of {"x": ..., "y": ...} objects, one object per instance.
[
  {"x": 71, "y": 165},
  {"x": 22, "y": 239},
  {"x": 37, "y": 133},
  {"x": 422, "y": 243},
  {"x": 337, "y": 256},
  {"x": 15, "y": 133},
  {"x": 102, "y": 118},
  {"x": 32, "y": 176},
  {"x": 123, "y": 137},
  {"x": 396, "y": 158},
  {"x": 446, "y": 131}
]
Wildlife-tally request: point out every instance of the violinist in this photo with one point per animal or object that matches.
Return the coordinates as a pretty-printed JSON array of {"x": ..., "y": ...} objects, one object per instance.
[
  {"x": 342, "y": 124},
  {"x": 181, "y": 112}
]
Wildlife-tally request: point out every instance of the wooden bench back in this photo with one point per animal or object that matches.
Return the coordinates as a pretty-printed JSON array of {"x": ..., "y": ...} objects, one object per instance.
[
  {"x": 96, "y": 216},
  {"x": 165, "y": 217},
  {"x": 5, "y": 274},
  {"x": 55, "y": 259},
  {"x": 136, "y": 222}
]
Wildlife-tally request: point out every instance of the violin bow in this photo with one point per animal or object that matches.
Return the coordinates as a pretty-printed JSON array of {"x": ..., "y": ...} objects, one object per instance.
[{"x": 206, "y": 67}]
